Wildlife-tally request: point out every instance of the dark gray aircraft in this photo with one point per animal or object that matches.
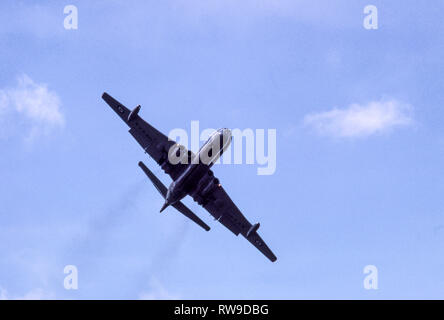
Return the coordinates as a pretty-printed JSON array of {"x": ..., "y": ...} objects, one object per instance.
[{"x": 191, "y": 175}]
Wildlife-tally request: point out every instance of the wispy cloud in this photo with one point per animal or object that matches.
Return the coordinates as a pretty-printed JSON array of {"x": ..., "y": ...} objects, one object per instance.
[
  {"x": 34, "y": 294},
  {"x": 157, "y": 292},
  {"x": 35, "y": 103},
  {"x": 298, "y": 10},
  {"x": 37, "y": 19},
  {"x": 3, "y": 294},
  {"x": 361, "y": 120}
]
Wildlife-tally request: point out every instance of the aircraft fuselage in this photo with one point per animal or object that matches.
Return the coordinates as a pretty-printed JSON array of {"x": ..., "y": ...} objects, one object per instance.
[{"x": 199, "y": 167}]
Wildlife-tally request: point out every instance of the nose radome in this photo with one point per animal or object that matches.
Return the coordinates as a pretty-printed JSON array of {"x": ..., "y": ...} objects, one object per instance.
[{"x": 227, "y": 132}]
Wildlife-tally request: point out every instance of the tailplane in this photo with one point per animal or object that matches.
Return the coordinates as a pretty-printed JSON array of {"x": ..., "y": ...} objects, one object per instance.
[{"x": 178, "y": 205}]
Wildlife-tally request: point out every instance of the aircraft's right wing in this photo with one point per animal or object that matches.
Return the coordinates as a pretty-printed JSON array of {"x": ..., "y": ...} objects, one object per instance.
[{"x": 155, "y": 143}]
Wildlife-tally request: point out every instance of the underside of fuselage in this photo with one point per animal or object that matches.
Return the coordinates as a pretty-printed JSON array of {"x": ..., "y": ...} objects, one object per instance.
[{"x": 194, "y": 178}]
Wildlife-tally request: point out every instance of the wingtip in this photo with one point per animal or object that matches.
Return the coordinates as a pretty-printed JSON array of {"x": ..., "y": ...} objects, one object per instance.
[{"x": 104, "y": 95}]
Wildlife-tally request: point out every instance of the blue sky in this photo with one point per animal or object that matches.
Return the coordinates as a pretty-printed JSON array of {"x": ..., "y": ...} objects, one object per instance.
[{"x": 360, "y": 144}]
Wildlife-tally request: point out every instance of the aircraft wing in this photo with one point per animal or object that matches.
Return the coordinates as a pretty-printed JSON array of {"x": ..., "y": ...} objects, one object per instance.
[
  {"x": 221, "y": 207},
  {"x": 155, "y": 143}
]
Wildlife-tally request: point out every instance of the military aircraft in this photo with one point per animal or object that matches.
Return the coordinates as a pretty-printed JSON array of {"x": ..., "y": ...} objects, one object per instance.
[{"x": 191, "y": 175}]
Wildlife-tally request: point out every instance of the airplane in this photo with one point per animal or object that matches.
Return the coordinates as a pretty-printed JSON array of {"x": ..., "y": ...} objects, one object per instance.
[{"x": 191, "y": 175}]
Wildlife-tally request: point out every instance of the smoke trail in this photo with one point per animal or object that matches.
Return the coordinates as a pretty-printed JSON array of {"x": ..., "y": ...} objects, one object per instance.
[
  {"x": 100, "y": 227},
  {"x": 93, "y": 248},
  {"x": 165, "y": 255}
]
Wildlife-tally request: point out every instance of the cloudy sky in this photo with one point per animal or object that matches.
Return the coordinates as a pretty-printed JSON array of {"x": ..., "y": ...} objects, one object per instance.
[{"x": 360, "y": 148}]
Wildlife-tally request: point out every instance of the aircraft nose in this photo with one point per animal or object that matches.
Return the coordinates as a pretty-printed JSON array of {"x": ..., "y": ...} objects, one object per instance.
[{"x": 227, "y": 132}]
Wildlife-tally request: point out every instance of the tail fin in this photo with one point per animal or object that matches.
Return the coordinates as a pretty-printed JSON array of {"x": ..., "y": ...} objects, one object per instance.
[{"x": 178, "y": 205}]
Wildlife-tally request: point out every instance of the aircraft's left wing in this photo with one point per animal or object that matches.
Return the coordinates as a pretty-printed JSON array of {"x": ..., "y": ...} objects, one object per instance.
[
  {"x": 221, "y": 207},
  {"x": 155, "y": 143}
]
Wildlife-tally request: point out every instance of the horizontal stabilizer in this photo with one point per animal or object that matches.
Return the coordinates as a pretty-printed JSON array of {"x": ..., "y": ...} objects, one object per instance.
[
  {"x": 159, "y": 185},
  {"x": 189, "y": 214},
  {"x": 178, "y": 205}
]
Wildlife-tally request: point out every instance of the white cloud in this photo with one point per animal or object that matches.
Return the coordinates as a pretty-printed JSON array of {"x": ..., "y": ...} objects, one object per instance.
[
  {"x": 361, "y": 120},
  {"x": 3, "y": 294},
  {"x": 34, "y": 294},
  {"x": 35, "y": 103},
  {"x": 157, "y": 292},
  {"x": 3, "y": 102}
]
